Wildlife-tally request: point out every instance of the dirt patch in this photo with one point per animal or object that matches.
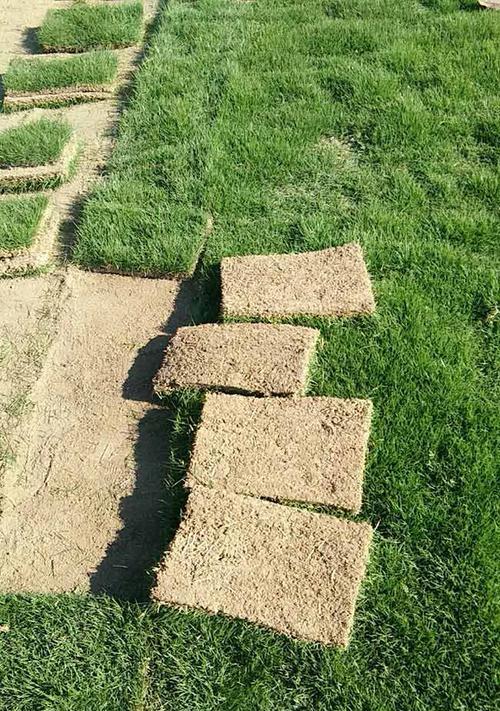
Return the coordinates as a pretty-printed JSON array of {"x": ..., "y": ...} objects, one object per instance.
[
  {"x": 28, "y": 310},
  {"x": 301, "y": 449},
  {"x": 81, "y": 469},
  {"x": 294, "y": 571},
  {"x": 332, "y": 282},
  {"x": 257, "y": 358},
  {"x": 19, "y": 178}
]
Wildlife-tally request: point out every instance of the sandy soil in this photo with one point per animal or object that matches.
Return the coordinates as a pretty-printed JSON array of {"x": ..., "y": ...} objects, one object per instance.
[
  {"x": 28, "y": 313},
  {"x": 82, "y": 500}
]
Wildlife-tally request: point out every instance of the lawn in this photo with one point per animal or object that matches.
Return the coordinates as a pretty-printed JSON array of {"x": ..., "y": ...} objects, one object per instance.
[
  {"x": 82, "y": 27},
  {"x": 34, "y": 143},
  {"x": 19, "y": 221},
  {"x": 297, "y": 126},
  {"x": 38, "y": 75}
]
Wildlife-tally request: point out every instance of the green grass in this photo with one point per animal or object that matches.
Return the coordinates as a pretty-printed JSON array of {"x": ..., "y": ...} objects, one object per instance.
[
  {"x": 228, "y": 118},
  {"x": 19, "y": 221},
  {"x": 38, "y": 75},
  {"x": 82, "y": 27},
  {"x": 32, "y": 144}
]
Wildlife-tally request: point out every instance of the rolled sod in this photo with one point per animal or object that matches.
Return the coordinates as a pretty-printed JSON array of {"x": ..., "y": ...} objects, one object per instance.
[
  {"x": 291, "y": 570},
  {"x": 309, "y": 449},
  {"x": 331, "y": 282},
  {"x": 83, "y": 27},
  {"x": 251, "y": 357}
]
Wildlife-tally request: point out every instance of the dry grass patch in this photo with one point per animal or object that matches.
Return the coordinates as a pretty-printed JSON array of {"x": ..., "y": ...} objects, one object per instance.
[
  {"x": 256, "y": 358},
  {"x": 299, "y": 449},
  {"x": 294, "y": 571},
  {"x": 331, "y": 282}
]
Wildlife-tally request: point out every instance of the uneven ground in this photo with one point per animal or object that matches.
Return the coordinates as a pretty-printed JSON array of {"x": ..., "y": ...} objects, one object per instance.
[{"x": 385, "y": 131}]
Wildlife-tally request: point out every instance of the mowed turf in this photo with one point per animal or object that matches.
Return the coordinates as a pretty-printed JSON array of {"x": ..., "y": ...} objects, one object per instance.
[
  {"x": 19, "y": 220},
  {"x": 39, "y": 75},
  {"x": 82, "y": 27},
  {"x": 302, "y": 126},
  {"x": 34, "y": 143}
]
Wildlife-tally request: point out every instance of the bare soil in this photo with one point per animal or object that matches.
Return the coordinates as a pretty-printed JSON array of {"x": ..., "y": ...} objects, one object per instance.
[
  {"x": 250, "y": 357},
  {"x": 332, "y": 282},
  {"x": 294, "y": 571},
  {"x": 82, "y": 499},
  {"x": 309, "y": 449}
]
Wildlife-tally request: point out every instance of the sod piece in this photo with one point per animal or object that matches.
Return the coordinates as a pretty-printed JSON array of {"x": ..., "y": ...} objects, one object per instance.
[
  {"x": 294, "y": 571},
  {"x": 43, "y": 176},
  {"x": 309, "y": 449},
  {"x": 83, "y": 27},
  {"x": 54, "y": 82},
  {"x": 332, "y": 282},
  {"x": 32, "y": 144},
  {"x": 19, "y": 221},
  {"x": 252, "y": 357}
]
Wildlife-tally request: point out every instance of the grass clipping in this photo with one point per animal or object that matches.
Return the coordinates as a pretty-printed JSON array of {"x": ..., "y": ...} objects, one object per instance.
[{"x": 294, "y": 571}]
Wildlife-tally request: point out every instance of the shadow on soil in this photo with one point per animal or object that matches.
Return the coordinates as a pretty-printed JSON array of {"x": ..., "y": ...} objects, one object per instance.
[{"x": 151, "y": 513}]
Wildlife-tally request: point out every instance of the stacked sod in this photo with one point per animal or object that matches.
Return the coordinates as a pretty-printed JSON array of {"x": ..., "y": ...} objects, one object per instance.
[{"x": 83, "y": 27}]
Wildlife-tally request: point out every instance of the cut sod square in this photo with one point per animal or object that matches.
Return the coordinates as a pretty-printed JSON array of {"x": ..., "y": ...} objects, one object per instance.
[
  {"x": 83, "y": 27},
  {"x": 258, "y": 358},
  {"x": 20, "y": 218},
  {"x": 332, "y": 282},
  {"x": 56, "y": 82},
  {"x": 309, "y": 449},
  {"x": 294, "y": 571},
  {"x": 36, "y": 155}
]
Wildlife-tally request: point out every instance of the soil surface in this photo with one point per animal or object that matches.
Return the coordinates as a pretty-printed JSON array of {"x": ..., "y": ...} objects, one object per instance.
[
  {"x": 294, "y": 571},
  {"x": 88, "y": 479}
]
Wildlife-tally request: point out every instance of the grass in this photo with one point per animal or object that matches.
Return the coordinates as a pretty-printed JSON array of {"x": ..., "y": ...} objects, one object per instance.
[
  {"x": 231, "y": 117},
  {"x": 34, "y": 143},
  {"x": 19, "y": 221},
  {"x": 39, "y": 75},
  {"x": 82, "y": 27}
]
